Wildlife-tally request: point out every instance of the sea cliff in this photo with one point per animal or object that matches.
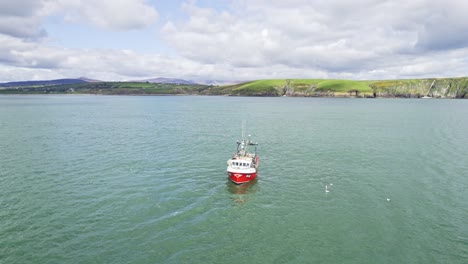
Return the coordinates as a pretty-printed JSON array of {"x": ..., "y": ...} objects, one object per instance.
[{"x": 414, "y": 88}]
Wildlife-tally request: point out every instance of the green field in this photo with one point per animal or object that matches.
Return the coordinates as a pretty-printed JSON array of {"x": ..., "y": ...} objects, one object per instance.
[{"x": 344, "y": 86}]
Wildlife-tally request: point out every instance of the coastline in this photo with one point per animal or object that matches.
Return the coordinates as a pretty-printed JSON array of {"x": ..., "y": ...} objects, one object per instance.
[
  {"x": 226, "y": 95},
  {"x": 411, "y": 88}
]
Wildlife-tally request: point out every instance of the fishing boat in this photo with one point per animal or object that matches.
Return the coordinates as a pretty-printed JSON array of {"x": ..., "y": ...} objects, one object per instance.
[{"x": 242, "y": 166}]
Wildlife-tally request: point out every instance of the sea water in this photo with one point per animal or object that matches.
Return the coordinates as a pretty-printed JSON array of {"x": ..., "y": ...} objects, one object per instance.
[{"x": 123, "y": 179}]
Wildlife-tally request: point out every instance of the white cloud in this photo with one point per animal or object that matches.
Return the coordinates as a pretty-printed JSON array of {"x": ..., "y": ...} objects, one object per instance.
[
  {"x": 274, "y": 33},
  {"x": 20, "y": 19},
  {"x": 105, "y": 14},
  {"x": 19, "y": 8},
  {"x": 445, "y": 29},
  {"x": 22, "y": 27},
  {"x": 25, "y": 49},
  {"x": 335, "y": 37},
  {"x": 18, "y": 58},
  {"x": 23, "y": 18},
  {"x": 249, "y": 39}
]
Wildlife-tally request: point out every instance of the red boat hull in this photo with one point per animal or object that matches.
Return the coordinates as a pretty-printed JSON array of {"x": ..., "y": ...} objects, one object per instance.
[{"x": 239, "y": 178}]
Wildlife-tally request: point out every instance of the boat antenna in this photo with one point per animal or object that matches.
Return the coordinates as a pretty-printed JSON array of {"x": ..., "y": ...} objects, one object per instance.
[{"x": 244, "y": 122}]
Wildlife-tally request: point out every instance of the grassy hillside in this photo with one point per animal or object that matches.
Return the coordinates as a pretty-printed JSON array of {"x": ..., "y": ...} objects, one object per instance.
[
  {"x": 296, "y": 87},
  {"x": 344, "y": 86},
  {"x": 110, "y": 88}
]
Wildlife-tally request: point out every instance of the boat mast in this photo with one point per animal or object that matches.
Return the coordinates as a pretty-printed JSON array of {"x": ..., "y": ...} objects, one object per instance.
[
  {"x": 243, "y": 142},
  {"x": 243, "y": 129}
]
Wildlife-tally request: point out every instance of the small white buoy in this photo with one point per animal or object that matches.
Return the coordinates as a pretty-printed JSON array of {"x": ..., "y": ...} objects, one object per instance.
[
  {"x": 326, "y": 189},
  {"x": 388, "y": 199},
  {"x": 331, "y": 184}
]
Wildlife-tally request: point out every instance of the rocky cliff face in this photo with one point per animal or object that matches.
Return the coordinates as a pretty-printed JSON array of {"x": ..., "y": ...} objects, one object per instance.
[
  {"x": 417, "y": 88},
  {"x": 436, "y": 88}
]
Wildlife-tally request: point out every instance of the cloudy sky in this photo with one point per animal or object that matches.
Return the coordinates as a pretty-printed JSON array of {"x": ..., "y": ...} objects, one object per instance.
[{"x": 232, "y": 39}]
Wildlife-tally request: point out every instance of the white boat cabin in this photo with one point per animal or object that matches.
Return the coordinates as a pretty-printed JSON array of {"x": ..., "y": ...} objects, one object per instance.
[{"x": 240, "y": 164}]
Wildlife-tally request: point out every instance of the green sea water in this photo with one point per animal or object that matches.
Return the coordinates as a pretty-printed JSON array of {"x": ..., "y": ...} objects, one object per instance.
[{"x": 116, "y": 179}]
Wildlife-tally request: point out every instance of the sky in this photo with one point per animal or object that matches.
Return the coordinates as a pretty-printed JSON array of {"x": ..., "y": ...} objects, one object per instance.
[{"x": 232, "y": 40}]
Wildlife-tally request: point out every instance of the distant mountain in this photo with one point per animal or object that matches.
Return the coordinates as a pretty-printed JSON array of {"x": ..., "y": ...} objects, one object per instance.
[
  {"x": 218, "y": 82},
  {"x": 167, "y": 80},
  {"x": 182, "y": 81},
  {"x": 47, "y": 82},
  {"x": 88, "y": 79}
]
